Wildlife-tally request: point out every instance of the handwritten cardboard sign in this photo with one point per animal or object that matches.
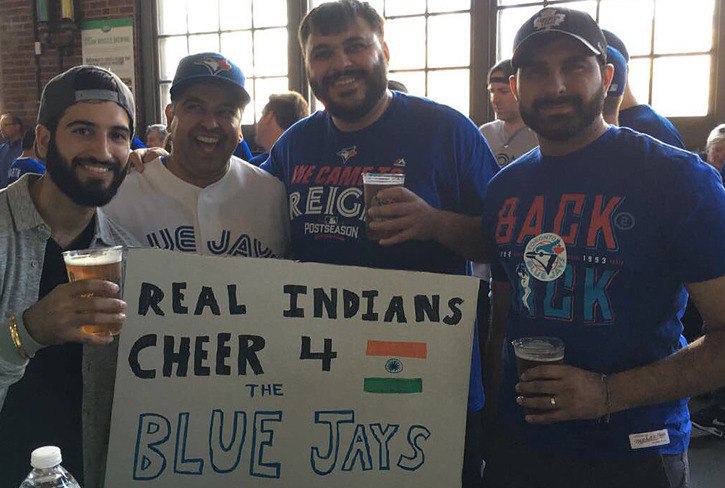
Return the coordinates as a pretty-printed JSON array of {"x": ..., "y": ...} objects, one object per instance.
[{"x": 263, "y": 373}]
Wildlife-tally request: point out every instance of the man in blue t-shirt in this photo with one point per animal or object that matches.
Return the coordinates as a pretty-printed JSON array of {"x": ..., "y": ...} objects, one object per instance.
[
  {"x": 26, "y": 162},
  {"x": 367, "y": 128},
  {"x": 593, "y": 249}
]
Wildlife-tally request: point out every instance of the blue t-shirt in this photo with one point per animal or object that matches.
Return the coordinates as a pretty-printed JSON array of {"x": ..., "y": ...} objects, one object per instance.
[
  {"x": 642, "y": 118},
  {"x": 9, "y": 152},
  {"x": 259, "y": 159},
  {"x": 444, "y": 158},
  {"x": 597, "y": 245},
  {"x": 242, "y": 151},
  {"x": 22, "y": 166}
]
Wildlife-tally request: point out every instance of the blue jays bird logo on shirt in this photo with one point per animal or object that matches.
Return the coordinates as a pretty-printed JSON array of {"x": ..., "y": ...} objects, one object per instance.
[
  {"x": 347, "y": 153},
  {"x": 215, "y": 65},
  {"x": 545, "y": 257}
]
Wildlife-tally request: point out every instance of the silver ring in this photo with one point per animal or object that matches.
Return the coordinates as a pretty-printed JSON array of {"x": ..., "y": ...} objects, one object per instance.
[{"x": 553, "y": 401}]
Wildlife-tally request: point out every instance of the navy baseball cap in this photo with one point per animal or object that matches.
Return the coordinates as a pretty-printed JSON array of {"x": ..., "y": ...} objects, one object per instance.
[
  {"x": 501, "y": 72},
  {"x": 619, "y": 81},
  {"x": 616, "y": 43},
  {"x": 563, "y": 21},
  {"x": 204, "y": 67},
  {"x": 79, "y": 84}
]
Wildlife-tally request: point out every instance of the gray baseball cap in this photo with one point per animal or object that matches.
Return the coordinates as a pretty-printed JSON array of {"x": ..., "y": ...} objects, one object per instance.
[{"x": 83, "y": 83}]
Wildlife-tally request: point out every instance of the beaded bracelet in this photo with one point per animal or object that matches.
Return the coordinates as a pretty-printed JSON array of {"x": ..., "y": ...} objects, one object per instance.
[{"x": 16, "y": 338}]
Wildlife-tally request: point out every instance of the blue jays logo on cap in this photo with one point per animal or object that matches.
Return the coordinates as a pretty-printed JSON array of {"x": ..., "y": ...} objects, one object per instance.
[
  {"x": 549, "y": 19},
  {"x": 215, "y": 65}
]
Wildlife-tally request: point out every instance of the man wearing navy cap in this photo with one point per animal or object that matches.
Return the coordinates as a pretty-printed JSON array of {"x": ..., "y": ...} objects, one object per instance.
[
  {"x": 201, "y": 198},
  {"x": 592, "y": 249}
]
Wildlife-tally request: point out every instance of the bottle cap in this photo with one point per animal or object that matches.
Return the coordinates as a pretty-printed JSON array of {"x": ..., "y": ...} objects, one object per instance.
[{"x": 45, "y": 457}]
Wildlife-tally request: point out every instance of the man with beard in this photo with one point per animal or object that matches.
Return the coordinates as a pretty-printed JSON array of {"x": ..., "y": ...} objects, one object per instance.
[
  {"x": 367, "y": 128},
  {"x": 201, "y": 198},
  {"x": 599, "y": 254},
  {"x": 85, "y": 122}
]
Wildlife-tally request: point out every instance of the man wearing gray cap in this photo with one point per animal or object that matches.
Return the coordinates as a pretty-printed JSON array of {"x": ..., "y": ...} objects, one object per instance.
[
  {"x": 600, "y": 256},
  {"x": 84, "y": 131},
  {"x": 201, "y": 198}
]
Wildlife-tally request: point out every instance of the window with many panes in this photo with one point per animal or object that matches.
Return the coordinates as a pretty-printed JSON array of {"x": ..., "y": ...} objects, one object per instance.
[
  {"x": 430, "y": 47},
  {"x": 252, "y": 33},
  {"x": 669, "y": 41}
]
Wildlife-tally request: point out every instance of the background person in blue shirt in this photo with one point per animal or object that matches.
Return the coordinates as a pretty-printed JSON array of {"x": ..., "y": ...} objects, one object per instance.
[
  {"x": 26, "y": 163},
  {"x": 11, "y": 129}
]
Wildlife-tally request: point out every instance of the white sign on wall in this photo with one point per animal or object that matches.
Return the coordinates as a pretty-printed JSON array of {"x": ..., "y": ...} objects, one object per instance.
[
  {"x": 269, "y": 373},
  {"x": 109, "y": 44}
]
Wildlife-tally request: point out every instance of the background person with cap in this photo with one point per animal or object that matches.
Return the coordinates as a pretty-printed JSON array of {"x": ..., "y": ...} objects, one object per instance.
[
  {"x": 201, "y": 198},
  {"x": 615, "y": 92},
  {"x": 599, "y": 256},
  {"x": 507, "y": 136},
  {"x": 640, "y": 116},
  {"x": 85, "y": 123}
]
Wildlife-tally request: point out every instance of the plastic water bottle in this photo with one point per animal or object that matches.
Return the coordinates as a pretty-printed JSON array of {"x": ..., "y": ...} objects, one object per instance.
[{"x": 47, "y": 471}]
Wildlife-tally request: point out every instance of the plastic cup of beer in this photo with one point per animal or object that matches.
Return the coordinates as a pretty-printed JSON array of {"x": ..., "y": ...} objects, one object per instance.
[
  {"x": 373, "y": 183},
  {"x": 103, "y": 263},
  {"x": 537, "y": 351}
]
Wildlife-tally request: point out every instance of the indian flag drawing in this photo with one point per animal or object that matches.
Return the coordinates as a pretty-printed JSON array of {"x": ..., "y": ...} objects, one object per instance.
[{"x": 395, "y": 358}]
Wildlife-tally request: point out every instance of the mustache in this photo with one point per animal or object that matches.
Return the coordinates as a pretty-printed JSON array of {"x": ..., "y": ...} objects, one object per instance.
[
  {"x": 552, "y": 102},
  {"x": 109, "y": 163},
  {"x": 333, "y": 77}
]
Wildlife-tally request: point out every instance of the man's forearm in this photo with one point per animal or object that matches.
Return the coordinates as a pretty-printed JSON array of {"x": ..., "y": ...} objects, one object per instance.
[
  {"x": 462, "y": 234},
  {"x": 695, "y": 369}
]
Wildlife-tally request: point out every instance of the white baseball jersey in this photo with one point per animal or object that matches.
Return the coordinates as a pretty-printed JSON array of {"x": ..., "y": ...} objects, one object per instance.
[{"x": 242, "y": 214}]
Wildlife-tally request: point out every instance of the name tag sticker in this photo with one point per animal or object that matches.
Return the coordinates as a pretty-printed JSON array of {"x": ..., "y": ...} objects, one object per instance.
[{"x": 649, "y": 439}]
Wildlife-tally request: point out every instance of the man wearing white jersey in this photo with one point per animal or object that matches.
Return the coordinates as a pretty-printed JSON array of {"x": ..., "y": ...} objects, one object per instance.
[{"x": 201, "y": 198}]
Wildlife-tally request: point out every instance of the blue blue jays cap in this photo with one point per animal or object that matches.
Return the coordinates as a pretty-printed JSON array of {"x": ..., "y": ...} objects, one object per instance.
[
  {"x": 205, "y": 67},
  {"x": 616, "y": 43},
  {"x": 619, "y": 81},
  {"x": 562, "y": 21}
]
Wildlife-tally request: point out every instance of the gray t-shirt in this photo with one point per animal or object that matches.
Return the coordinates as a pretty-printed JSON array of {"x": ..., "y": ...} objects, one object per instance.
[{"x": 506, "y": 147}]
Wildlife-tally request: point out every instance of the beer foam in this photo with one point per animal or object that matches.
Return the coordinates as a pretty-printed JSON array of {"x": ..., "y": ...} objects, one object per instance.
[
  {"x": 108, "y": 257},
  {"x": 539, "y": 350}
]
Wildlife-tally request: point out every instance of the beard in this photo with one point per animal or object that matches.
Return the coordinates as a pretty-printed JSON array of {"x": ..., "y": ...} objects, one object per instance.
[
  {"x": 562, "y": 127},
  {"x": 91, "y": 193},
  {"x": 376, "y": 82}
]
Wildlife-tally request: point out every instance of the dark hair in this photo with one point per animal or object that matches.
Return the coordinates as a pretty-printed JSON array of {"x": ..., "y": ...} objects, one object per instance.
[
  {"x": 287, "y": 108},
  {"x": 397, "y": 86},
  {"x": 28, "y": 140},
  {"x": 335, "y": 17}
]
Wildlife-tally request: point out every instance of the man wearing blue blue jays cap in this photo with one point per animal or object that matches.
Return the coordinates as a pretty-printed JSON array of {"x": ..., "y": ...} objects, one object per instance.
[
  {"x": 210, "y": 201},
  {"x": 615, "y": 92}
]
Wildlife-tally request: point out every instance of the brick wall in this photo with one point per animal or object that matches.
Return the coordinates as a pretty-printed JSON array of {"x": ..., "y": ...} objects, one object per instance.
[{"x": 20, "y": 76}]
